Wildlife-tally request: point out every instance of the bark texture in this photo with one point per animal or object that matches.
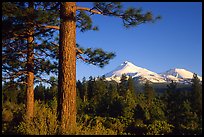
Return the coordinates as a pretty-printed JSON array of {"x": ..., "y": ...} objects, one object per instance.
[
  {"x": 30, "y": 68},
  {"x": 67, "y": 68}
]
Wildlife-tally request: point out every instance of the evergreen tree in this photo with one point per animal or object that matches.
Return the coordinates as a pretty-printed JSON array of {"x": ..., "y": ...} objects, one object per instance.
[
  {"x": 40, "y": 92},
  {"x": 112, "y": 89},
  {"x": 149, "y": 92},
  {"x": 131, "y": 86},
  {"x": 9, "y": 92},
  {"x": 129, "y": 99},
  {"x": 71, "y": 16},
  {"x": 189, "y": 120},
  {"x": 19, "y": 44},
  {"x": 84, "y": 90},
  {"x": 122, "y": 86},
  {"x": 90, "y": 88},
  {"x": 79, "y": 88},
  {"x": 130, "y": 104},
  {"x": 113, "y": 95},
  {"x": 53, "y": 88},
  {"x": 173, "y": 102},
  {"x": 196, "y": 97}
]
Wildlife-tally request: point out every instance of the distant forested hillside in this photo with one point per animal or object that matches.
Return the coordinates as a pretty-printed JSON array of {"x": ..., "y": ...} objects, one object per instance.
[{"x": 107, "y": 107}]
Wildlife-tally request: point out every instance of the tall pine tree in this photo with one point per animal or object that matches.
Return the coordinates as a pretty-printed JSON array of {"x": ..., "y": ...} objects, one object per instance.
[{"x": 67, "y": 68}]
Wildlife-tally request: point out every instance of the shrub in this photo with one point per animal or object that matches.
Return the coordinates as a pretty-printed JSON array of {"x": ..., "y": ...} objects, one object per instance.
[
  {"x": 114, "y": 124},
  {"x": 159, "y": 128},
  {"x": 44, "y": 122},
  {"x": 11, "y": 117},
  {"x": 7, "y": 115},
  {"x": 94, "y": 126}
]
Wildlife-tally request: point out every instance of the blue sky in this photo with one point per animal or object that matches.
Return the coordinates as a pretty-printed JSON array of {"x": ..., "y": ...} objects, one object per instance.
[{"x": 175, "y": 41}]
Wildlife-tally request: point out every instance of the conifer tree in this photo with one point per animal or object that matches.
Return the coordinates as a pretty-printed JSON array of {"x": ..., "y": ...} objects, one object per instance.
[
  {"x": 122, "y": 86},
  {"x": 90, "y": 88},
  {"x": 27, "y": 57},
  {"x": 22, "y": 22},
  {"x": 131, "y": 86},
  {"x": 71, "y": 17},
  {"x": 173, "y": 103},
  {"x": 188, "y": 119},
  {"x": 30, "y": 64},
  {"x": 84, "y": 90},
  {"x": 149, "y": 92},
  {"x": 79, "y": 88},
  {"x": 196, "y": 98}
]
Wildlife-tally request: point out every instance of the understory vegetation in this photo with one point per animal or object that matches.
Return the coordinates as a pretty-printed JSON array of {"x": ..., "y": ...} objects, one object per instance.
[{"x": 107, "y": 108}]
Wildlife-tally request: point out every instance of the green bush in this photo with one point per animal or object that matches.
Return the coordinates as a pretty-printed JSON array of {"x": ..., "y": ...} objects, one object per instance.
[
  {"x": 159, "y": 128},
  {"x": 7, "y": 115},
  {"x": 93, "y": 126},
  {"x": 114, "y": 124},
  {"x": 44, "y": 122},
  {"x": 11, "y": 116}
]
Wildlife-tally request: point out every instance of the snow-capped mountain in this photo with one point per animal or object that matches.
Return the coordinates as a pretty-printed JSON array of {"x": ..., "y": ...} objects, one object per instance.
[
  {"x": 178, "y": 75},
  {"x": 130, "y": 69},
  {"x": 142, "y": 74}
]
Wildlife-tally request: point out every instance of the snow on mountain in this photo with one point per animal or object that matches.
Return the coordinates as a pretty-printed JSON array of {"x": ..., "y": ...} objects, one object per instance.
[
  {"x": 178, "y": 75},
  {"x": 136, "y": 72},
  {"x": 142, "y": 74}
]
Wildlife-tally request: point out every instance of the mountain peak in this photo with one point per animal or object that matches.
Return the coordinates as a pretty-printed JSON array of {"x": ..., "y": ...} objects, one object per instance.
[
  {"x": 179, "y": 73},
  {"x": 130, "y": 69},
  {"x": 127, "y": 63},
  {"x": 143, "y": 74}
]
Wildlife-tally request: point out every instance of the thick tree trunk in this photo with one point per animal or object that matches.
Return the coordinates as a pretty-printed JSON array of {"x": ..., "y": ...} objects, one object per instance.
[
  {"x": 67, "y": 68},
  {"x": 30, "y": 70}
]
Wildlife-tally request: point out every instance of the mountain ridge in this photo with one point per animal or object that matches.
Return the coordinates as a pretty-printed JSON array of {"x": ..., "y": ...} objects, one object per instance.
[{"x": 179, "y": 75}]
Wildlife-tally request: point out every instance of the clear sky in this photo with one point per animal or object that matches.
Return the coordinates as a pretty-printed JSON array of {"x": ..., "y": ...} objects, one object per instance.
[{"x": 175, "y": 41}]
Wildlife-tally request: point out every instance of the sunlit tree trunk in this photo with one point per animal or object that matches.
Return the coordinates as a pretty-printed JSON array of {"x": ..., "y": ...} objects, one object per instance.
[
  {"x": 30, "y": 68},
  {"x": 67, "y": 68}
]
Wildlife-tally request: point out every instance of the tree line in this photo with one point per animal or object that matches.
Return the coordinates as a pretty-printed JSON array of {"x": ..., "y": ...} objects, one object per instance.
[{"x": 108, "y": 107}]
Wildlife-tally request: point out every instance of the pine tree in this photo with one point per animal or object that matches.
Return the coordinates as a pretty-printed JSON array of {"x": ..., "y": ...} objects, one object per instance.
[
  {"x": 71, "y": 16},
  {"x": 27, "y": 57},
  {"x": 9, "y": 92},
  {"x": 30, "y": 65},
  {"x": 90, "y": 88},
  {"x": 122, "y": 86},
  {"x": 79, "y": 88},
  {"x": 149, "y": 92},
  {"x": 84, "y": 90},
  {"x": 173, "y": 104},
  {"x": 196, "y": 98},
  {"x": 22, "y": 23},
  {"x": 39, "y": 92},
  {"x": 131, "y": 86},
  {"x": 188, "y": 123}
]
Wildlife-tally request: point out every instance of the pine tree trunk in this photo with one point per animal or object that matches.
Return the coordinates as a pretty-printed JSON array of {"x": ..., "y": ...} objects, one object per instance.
[
  {"x": 30, "y": 70},
  {"x": 67, "y": 68}
]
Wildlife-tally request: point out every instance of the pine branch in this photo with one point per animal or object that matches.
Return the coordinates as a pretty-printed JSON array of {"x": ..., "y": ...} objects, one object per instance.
[
  {"x": 80, "y": 57},
  {"x": 12, "y": 76},
  {"x": 50, "y": 27},
  {"x": 55, "y": 44},
  {"x": 89, "y": 10},
  {"x": 13, "y": 84},
  {"x": 24, "y": 36},
  {"x": 79, "y": 51}
]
